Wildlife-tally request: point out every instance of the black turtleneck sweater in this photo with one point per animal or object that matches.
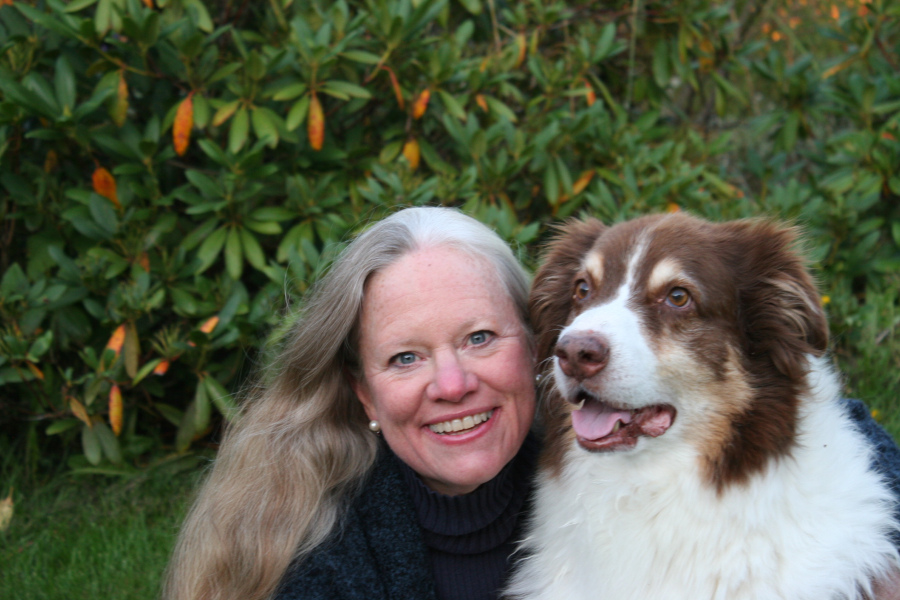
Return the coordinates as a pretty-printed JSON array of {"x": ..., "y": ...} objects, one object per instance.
[{"x": 470, "y": 537}]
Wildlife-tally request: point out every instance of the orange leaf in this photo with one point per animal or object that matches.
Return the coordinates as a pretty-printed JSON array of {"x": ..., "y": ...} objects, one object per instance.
[
  {"x": 120, "y": 107},
  {"x": 148, "y": 3},
  {"x": 117, "y": 339},
  {"x": 51, "y": 161},
  {"x": 105, "y": 185},
  {"x": 591, "y": 94},
  {"x": 672, "y": 207},
  {"x": 411, "y": 152},
  {"x": 421, "y": 104},
  {"x": 144, "y": 261},
  {"x": 115, "y": 409},
  {"x": 209, "y": 325},
  {"x": 161, "y": 368},
  {"x": 6, "y": 2},
  {"x": 707, "y": 58},
  {"x": 315, "y": 123},
  {"x": 522, "y": 44},
  {"x": 398, "y": 93},
  {"x": 480, "y": 101},
  {"x": 582, "y": 182},
  {"x": 80, "y": 411},
  {"x": 34, "y": 370},
  {"x": 184, "y": 122},
  {"x": 835, "y": 12}
]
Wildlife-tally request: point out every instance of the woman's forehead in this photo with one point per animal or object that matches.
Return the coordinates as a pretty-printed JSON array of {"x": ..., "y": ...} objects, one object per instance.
[{"x": 441, "y": 285}]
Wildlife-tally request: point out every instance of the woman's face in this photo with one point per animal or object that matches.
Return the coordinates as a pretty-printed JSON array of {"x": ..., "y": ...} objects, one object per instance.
[{"x": 447, "y": 367}]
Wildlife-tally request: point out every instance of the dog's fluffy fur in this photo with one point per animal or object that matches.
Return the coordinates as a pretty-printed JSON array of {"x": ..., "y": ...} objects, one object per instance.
[{"x": 734, "y": 472}]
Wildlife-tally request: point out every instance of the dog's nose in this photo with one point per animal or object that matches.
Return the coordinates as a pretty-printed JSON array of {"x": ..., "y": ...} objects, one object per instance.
[{"x": 582, "y": 355}]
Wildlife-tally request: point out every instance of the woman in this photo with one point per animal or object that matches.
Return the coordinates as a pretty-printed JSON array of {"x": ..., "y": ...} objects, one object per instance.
[
  {"x": 387, "y": 455},
  {"x": 415, "y": 340}
]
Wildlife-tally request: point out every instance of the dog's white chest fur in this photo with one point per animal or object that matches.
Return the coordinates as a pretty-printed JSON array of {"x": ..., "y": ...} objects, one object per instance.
[{"x": 627, "y": 525}]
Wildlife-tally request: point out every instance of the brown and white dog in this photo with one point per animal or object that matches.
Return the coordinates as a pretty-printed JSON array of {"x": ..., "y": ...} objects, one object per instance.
[{"x": 696, "y": 445}]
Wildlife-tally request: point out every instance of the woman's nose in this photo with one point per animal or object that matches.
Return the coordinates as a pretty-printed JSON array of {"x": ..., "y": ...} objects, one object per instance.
[{"x": 452, "y": 380}]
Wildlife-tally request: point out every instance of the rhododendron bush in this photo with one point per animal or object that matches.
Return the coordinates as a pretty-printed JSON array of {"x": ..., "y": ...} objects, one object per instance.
[{"x": 172, "y": 170}]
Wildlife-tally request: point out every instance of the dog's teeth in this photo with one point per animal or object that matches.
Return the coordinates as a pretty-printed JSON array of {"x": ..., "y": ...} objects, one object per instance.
[
  {"x": 580, "y": 405},
  {"x": 617, "y": 426}
]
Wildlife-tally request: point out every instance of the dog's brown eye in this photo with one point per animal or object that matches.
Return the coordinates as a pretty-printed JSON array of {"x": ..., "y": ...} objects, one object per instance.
[
  {"x": 582, "y": 289},
  {"x": 678, "y": 297}
]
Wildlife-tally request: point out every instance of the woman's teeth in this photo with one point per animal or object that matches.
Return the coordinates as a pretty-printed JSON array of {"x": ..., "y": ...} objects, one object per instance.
[{"x": 457, "y": 425}]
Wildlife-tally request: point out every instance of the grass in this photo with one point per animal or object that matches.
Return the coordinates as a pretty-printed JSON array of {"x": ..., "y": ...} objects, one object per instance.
[{"x": 93, "y": 537}]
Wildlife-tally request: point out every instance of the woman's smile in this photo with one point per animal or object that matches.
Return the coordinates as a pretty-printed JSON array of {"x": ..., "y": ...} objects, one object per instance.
[{"x": 465, "y": 424}]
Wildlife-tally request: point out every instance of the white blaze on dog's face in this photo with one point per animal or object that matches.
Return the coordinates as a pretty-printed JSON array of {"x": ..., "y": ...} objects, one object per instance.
[{"x": 656, "y": 340}]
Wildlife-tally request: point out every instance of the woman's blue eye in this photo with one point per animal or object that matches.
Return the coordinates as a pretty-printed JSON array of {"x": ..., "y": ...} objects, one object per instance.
[
  {"x": 405, "y": 358},
  {"x": 479, "y": 337}
]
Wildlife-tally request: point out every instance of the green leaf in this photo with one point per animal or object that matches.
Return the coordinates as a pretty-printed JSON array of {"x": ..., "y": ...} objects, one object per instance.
[
  {"x": 240, "y": 127},
  {"x": 289, "y": 92},
  {"x": 210, "y": 248},
  {"x": 45, "y": 20},
  {"x": 272, "y": 213},
  {"x": 77, "y": 5},
  {"x": 252, "y": 250},
  {"x": 452, "y": 105},
  {"x": 40, "y": 346},
  {"x": 264, "y": 126},
  {"x": 145, "y": 370},
  {"x": 169, "y": 413},
  {"x": 186, "y": 429},
  {"x": 65, "y": 84},
  {"x": 345, "y": 87},
  {"x": 201, "y": 407},
  {"x": 104, "y": 214},
  {"x": 62, "y": 425},
  {"x": 14, "y": 282},
  {"x": 199, "y": 15},
  {"x": 204, "y": 183},
  {"x": 263, "y": 227},
  {"x": 90, "y": 444},
  {"x": 297, "y": 114},
  {"x": 661, "y": 73},
  {"x": 103, "y": 17},
  {"x": 222, "y": 399},
  {"x": 361, "y": 56},
  {"x": 605, "y": 43},
  {"x": 500, "y": 109},
  {"x": 234, "y": 259},
  {"x": 473, "y": 6},
  {"x": 109, "y": 442}
]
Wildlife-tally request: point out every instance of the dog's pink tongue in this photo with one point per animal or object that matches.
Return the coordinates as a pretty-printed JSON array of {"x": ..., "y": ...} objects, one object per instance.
[{"x": 596, "y": 420}]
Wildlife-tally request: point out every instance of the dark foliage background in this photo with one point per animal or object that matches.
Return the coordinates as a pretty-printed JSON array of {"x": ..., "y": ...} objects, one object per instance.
[{"x": 171, "y": 171}]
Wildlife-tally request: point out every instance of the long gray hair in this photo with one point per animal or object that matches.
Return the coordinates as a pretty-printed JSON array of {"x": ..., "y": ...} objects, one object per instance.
[{"x": 301, "y": 448}]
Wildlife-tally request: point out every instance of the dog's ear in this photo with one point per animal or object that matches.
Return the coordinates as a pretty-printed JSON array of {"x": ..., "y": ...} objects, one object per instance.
[
  {"x": 780, "y": 307},
  {"x": 551, "y": 292}
]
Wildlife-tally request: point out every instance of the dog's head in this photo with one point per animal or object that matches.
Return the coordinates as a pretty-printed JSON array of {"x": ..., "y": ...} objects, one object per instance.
[{"x": 670, "y": 329}]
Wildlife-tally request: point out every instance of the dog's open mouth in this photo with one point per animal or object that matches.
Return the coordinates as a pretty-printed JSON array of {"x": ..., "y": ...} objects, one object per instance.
[{"x": 601, "y": 426}]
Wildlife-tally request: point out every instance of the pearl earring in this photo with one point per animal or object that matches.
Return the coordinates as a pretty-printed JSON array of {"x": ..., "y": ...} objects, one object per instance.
[{"x": 374, "y": 426}]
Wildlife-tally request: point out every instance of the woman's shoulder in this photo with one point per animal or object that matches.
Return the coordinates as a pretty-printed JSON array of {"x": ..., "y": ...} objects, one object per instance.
[{"x": 376, "y": 552}]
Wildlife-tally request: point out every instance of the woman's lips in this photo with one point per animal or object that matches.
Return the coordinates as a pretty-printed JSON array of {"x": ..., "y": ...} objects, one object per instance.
[{"x": 461, "y": 425}]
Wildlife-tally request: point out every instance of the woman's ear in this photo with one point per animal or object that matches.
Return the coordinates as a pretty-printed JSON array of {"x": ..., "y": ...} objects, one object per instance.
[{"x": 358, "y": 384}]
